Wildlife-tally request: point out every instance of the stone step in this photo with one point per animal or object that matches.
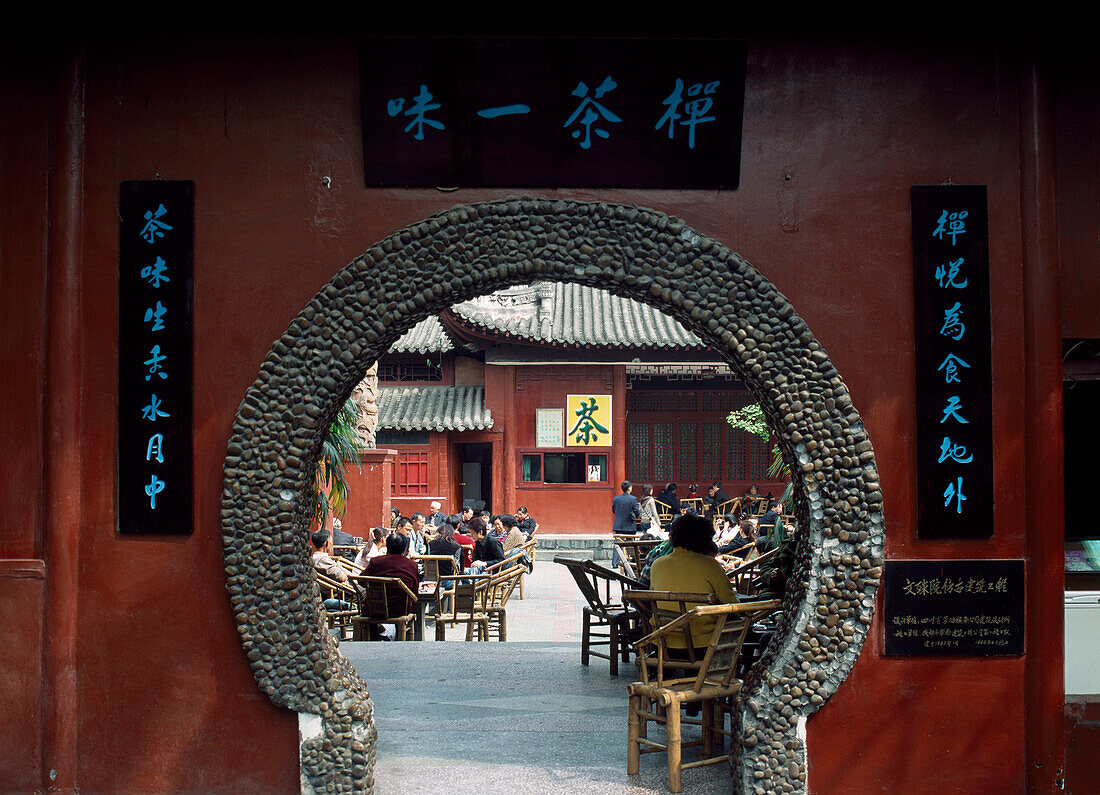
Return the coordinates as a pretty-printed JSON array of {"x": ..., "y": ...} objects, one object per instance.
[{"x": 578, "y": 546}]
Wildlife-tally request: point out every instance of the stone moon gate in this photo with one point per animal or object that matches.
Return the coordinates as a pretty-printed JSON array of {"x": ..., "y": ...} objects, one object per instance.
[{"x": 474, "y": 250}]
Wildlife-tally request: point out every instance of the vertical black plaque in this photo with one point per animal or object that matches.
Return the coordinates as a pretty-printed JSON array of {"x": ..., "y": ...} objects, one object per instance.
[
  {"x": 954, "y": 607},
  {"x": 156, "y": 258},
  {"x": 954, "y": 362}
]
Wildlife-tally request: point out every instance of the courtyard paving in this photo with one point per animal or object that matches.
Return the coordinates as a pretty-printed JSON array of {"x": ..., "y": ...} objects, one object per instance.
[{"x": 522, "y": 716}]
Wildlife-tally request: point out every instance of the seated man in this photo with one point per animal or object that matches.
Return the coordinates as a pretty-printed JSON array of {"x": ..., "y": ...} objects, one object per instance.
[
  {"x": 342, "y": 539},
  {"x": 395, "y": 563},
  {"x": 325, "y": 564},
  {"x": 691, "y": 568},
  {"x": 768, "y": 520},
  {"x": 413, "y": 530},
  {"x": 436, "y": 517},
  {"x": 527, "y": 524}
]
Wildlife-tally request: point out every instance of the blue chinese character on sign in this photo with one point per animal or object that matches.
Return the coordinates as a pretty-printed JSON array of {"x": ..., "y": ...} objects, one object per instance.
[
  {"x": 951, "y": 411},
  {"x": 956, "y": 452},
  {"x": 954, "y": 491},
  {"x": 155, "y": 487},
  {"x": 155, "y": 273},
  {"x": 154, "y": 227},
  {"x": 593, "y": 111},
  {"x": 504, "y": 110},
  {"x": 152, "y": 412},
  {"x": 422, "y": 103},
  {"x": 698, "y": 105},
  {"x": 950, "y": 366},
  {"x": 947, "y": 274},
  {"x": 953, "y": 326},
  {"x": 952, "y": 224},
  {"x": 156, "y": 315},
  {"x": 154, "y": 449},
  {"x": 153, "y": 362}
]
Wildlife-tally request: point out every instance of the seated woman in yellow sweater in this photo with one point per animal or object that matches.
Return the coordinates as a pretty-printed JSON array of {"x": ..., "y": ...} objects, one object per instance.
[{"x": 692, "y": 568}]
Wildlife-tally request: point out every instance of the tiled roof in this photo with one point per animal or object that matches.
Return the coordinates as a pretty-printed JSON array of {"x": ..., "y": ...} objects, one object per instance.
[
  {"x": 427, "y": 336},
  {"x": 576, "y": 315},
  {"x": 433, "y": 408}
]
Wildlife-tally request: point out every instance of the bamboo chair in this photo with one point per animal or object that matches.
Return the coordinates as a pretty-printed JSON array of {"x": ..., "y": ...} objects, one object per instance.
[
  {"x": 343, "y": 551},
  {"x": 468, "y": 601},
  {"x": 693, "y": 502},
  {"x": 664, "y": 514},
  {"x": 434, "y": 568},
  {"x": 529, "y": 551},
  {"x": 729, "y": 506},
  {"x": 497, "y": 593},
  {"x": 624, "y": 563},
  {"x": 606, "y": 621},
  {"x": 636, "y": 548},
  {"x": 339, "y": 621},
  {"x": 659, "y": 696},
  {"x": 374, "y": 606},
  {"x": 743, "y": 577}
]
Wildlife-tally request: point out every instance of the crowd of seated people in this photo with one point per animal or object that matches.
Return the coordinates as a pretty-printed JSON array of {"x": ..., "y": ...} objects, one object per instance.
[
  {"x": 737, "y": 540},
  {"x": 467, "y": 543}
]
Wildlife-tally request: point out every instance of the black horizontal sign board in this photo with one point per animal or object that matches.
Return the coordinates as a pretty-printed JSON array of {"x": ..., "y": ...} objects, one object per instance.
[
  {"x": 550, "y": 112},
  {"x": 954, "y": 607},
  {"x": 954, "y": 362},
  {"x": 156, "y": 259}
]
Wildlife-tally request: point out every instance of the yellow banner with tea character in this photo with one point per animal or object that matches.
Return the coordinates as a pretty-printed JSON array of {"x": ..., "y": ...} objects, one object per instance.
[{"x": 588, "y": 419}]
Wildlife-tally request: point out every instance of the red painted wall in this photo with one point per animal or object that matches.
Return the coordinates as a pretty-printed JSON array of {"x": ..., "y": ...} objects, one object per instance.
[
  {"x": 835, "y": 133},
  {"x": 561, "y": 508}
]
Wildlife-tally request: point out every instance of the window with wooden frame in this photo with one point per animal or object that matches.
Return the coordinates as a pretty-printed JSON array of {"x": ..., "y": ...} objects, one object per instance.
[
  {"x": 410, "y": 474},
  {"x": 683, "y": 437},
  {"x": 549, "y": 467}
]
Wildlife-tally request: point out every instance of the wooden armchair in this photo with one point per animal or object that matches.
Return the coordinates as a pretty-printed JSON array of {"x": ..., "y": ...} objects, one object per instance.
[
  {"x": 497, "y": 592},
  {"x": 657, "y": 608},
  {"x": 606, "y": 621},
  {"x": 529, "y": 551},
  {"x": 636, "y": 548},
  {"x": 468, "y": 596},
  {"x": 628, "y": 569},
  {"x": 693, "y": 502},
  {"x": 729, "y": 506},
  {"x": 713, "y": 684},
  {"x": 743, "y": 576},
  {"x": 339, "y": 621},
  {"x": 374, "y": 606}
]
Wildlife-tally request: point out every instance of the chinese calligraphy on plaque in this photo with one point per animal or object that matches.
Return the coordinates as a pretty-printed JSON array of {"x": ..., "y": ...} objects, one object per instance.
[
  {"x": 549, "y": 428},
  {"x": 954, "y": 362},
  {"x": 588, "y": 420},
  {"x": 970, "y": 607},
  {"x": 552, "y": 112},
  {"x": 156, "y": 237}
]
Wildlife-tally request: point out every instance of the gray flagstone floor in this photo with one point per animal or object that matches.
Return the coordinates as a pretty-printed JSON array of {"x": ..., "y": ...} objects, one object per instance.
[{"x": 516, "y": 717}]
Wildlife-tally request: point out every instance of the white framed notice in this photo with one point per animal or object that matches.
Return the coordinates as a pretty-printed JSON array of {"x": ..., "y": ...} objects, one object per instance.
[{"x": 549, "y": 427}]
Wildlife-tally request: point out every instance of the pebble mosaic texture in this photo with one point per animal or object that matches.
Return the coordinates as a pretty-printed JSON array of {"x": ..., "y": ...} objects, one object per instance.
[{"x": 473, "y": 250}]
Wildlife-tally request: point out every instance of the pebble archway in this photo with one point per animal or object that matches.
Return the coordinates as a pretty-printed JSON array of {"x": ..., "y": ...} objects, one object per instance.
[{"x": 473, "y": 250}]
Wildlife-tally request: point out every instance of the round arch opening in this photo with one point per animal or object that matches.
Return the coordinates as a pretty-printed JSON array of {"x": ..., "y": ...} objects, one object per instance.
[{"x": 474, "y": 250}]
